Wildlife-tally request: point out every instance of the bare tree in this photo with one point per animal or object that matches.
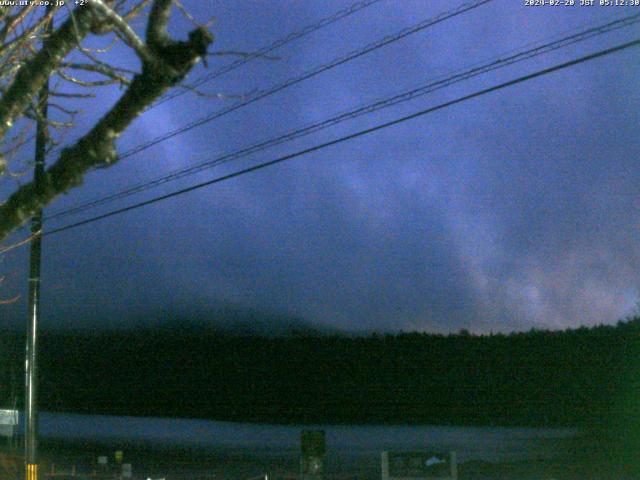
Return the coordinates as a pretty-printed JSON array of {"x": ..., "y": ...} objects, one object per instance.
[{"x": 30, "y": 54}]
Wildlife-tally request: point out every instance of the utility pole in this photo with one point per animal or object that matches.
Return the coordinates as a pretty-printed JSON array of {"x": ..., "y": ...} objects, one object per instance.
[{"x": 31, "y": 374}]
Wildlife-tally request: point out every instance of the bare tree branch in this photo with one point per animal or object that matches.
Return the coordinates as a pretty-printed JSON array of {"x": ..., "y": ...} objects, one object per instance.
[
  {"x": 34, "y": 73},
  {"x": 171, "y": 62},
  {"x": 13, "y": 246},
  {"x": 87, "y": 83},
  {"x": 8, "y": 301},
  {"x": 106, "y": 70},
  {"x": 128, "y": 34},
  {"x": 12, "y": 22},
  {"x": 135, "y": 11},
  {"x": 157, "y": 26}
]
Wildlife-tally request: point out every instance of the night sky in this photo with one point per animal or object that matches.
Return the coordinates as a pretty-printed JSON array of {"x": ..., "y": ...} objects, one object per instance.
[{"x": 514, "y": 210}]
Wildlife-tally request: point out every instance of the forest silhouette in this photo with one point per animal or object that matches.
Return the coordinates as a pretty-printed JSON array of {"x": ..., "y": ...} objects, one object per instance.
[{"x": 576, "y": 377}]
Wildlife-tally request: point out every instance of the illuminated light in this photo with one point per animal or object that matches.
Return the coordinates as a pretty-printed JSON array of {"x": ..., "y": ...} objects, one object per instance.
[{"x": 32, "y": 471}]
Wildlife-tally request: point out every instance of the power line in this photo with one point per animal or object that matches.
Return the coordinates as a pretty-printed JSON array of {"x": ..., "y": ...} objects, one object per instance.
[
  {"x": 261, "y": 52},
  {"x": 266, "y": 50},
  {"x": 352, "y": 136},
  {"x": 312, "y": 73},
  {"x": 500, "y": 61}
]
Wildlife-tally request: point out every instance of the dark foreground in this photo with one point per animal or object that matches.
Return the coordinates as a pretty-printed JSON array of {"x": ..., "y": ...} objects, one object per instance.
[
  {"x": 537, "y": 379},
  {"x": 577, "y": 459}
]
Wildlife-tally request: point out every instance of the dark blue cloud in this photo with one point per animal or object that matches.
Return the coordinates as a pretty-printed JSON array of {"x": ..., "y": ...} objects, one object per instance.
[{"x": 514, "y": 210}]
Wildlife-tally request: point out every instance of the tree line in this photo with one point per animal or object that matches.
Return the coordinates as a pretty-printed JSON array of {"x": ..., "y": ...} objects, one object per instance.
[{"x": 584, "y": 376}]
